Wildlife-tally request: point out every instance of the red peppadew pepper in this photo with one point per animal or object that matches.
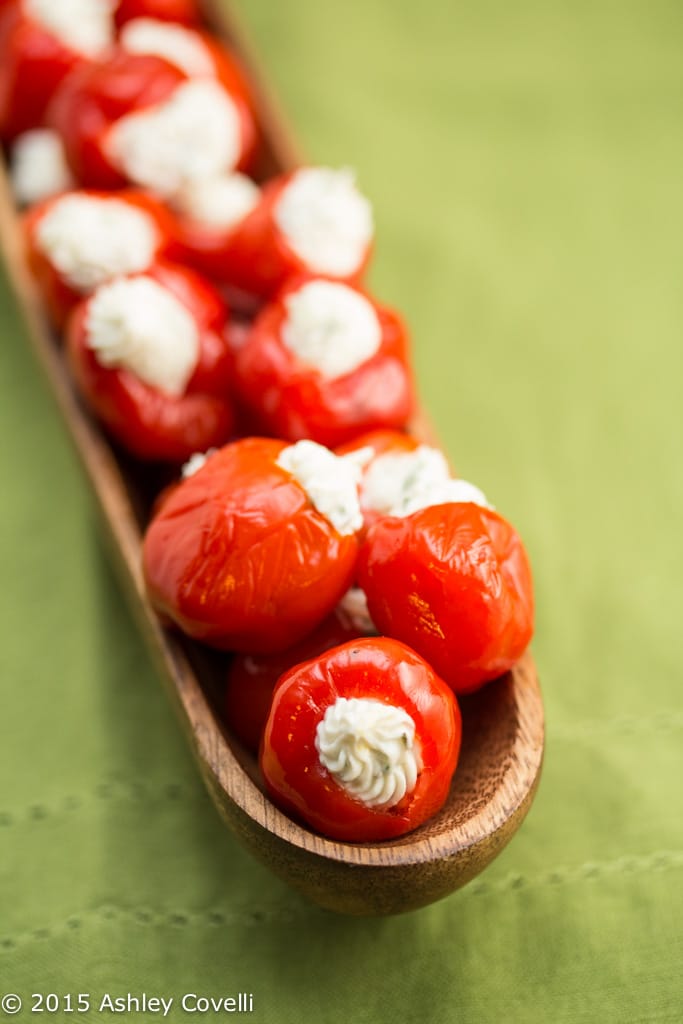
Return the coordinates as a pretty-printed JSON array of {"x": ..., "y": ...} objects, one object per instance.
[
  {"x": 454, "y": 582},
  {"x": 34, "y": 60},
  {"x": 97, "y": 112},
  {"x": 97, "y": 231},
  {"x": 362, "y": 742},
  {"x": 240, "y": 557},
  {"x": 152, "y": 421},
  {"x": 291, "y": 394}
]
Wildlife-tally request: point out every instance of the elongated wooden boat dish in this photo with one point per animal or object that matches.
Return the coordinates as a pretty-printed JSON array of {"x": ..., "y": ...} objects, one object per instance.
[{"x": 503, "y": 731}]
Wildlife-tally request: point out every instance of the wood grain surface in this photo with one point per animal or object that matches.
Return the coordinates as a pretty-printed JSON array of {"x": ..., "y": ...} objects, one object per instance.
[{"x": 503, "y": 730}]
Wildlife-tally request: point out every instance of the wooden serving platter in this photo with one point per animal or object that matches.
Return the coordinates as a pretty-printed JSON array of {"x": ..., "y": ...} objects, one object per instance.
[{"x": 503, "y": 732}]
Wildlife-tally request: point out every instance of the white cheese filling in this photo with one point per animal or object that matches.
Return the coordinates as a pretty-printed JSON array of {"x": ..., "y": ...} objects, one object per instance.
[
  {"x": 330, "y": 481},
  {"x": 398, "y": 484},
  {"x": 137, "y": 325},
  {"x": 370, "y": 750},
  {"x": 353, "y": 610},
  {"x": 89, "y": 240},
  {"x": 178, "y": 45},
  {"x": 193, "y": 135},
  {"x": 331, "y": 328},
  {"x": 220, "y": 202},
  {"x": 325, "y": 220},
  {"x": 85, "y": 26},
  {"x": 195, "y": 462},
  {"x": 38, "y": 167}
]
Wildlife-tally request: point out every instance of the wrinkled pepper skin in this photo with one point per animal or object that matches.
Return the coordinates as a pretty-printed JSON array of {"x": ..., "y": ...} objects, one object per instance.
[
  {"x": 291, "y": 399},
  {"x": 378, "y": 669},
  {"x": 148, "y": 422},
  {"x": 238, "y": 556},
  {"x": 453, "y": 581}
]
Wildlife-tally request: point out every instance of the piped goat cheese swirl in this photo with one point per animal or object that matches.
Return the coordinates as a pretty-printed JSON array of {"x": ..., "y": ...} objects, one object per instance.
[
  {"x": 398, "y": 484},
  {"x": 370, "y": 750}
]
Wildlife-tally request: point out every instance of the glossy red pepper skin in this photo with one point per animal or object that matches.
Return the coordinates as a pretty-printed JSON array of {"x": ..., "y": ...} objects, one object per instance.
[
  {"x": 33, "y": 62},
  {"x": 238, "y": 556},
  {"x": 148, "y": 422},
  {"x": 254, "y": 256},
  {"x": 292, "y": 400},
  {"x": 454, "y": 582},
  {"x": 59, "y": 296},
  {"x": 186, "y": 12},
  {"x": 377, "y": 669}
]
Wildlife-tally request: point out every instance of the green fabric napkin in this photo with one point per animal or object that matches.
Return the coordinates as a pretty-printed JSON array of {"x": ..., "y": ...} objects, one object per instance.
[{"x": 524, "y": 160}]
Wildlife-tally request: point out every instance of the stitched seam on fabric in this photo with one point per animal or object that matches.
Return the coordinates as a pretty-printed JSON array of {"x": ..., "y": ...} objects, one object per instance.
[
  {"x": 217, "y": 917},
  {"x": 147, "y": 917},
  {"x": 627, "y": 864},
  {"x": 115, "y": 792}
]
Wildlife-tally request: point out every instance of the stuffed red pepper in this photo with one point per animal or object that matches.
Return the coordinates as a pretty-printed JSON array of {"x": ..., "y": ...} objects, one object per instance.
[
  {"x": 149, "y": 355},
  {"x": 325, "y": 361},
  {"x": 137, "y": 118},
  {"x": 252, "y": 551},
  {"x": 448, "y": 575},
  {"x": 362, "y": 742}
]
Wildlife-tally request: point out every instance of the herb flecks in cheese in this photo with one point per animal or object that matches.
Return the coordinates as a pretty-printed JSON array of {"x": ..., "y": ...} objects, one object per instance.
[
  {"x": 220, "y": 202},
  {"x": 330, "y": 481},
  {"x": 85, "y": 26},
  {"x": 193, "y": 135},
  {"x": 325, "y": 220},
  {"x": 398, "y": 484},
  {"x": 370, "y": 750},
  {"x": 89, "y": 240},
  {"x": 178, "y": 45},
  {"x": 38, "y": 166},
  {"x": 137, "y": 325},
  {"x": 331, "y": 327}
]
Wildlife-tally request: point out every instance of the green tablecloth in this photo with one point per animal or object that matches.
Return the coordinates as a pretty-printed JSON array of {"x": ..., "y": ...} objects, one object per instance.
[{"x": 525, "y": 162}]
